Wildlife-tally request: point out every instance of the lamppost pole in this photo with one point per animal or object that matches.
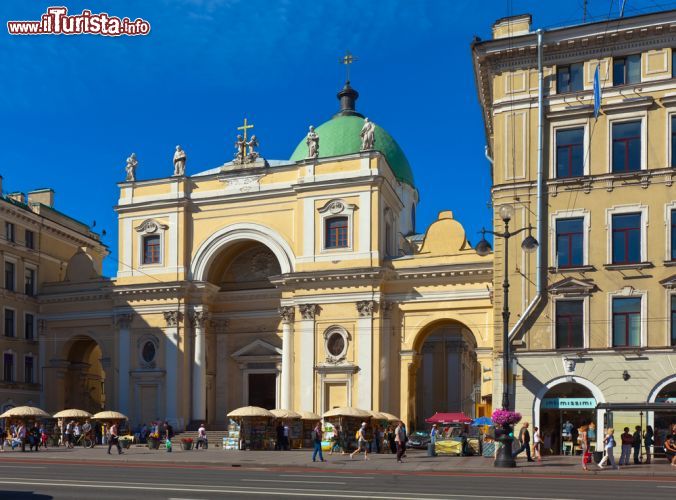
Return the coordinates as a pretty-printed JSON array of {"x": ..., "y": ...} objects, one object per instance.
[{"x": 529, "y": 244}]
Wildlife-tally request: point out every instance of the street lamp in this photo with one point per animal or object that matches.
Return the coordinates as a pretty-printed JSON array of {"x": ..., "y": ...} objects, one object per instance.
[{"x": 483, "y": 248}]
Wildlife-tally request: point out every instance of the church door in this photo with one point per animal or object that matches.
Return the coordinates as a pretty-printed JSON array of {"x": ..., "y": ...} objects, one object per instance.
[{"x": 263, "y": 390}]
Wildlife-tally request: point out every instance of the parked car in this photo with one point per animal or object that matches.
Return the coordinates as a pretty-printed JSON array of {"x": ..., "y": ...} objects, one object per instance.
[{"x": 419, "y": 439}]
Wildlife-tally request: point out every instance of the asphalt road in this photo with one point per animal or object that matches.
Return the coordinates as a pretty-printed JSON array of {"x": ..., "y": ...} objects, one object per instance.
[{"x": 37, "y": 481}]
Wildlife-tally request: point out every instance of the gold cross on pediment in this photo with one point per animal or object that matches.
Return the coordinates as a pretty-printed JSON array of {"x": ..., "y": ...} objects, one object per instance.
[{"x": 245, "y": 127}]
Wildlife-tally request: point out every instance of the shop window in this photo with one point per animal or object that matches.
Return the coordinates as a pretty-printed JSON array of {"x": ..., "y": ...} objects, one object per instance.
[
  {"x": 28, "y": 370},
  {"x": 29, "y": 278},
  {"x": 9, "y": 323},
  {"x": 29, "y": 327},
  {"x": 673, "y": 320},
  {"x": 570, "y": 242},
  {"x": 570, "y": 152},
  {"x": 569, "y": 78},
  {"x": 335, "y": 232},
  {"x": 569, "y": 324},
  {"x": 10, "y": 271},
  {"x": 626, "y": 239},
  {"x": 151, "y": 249},
  {"x": 8, "y": 367},
  {"x": 626, "y": 146},
  {"x": 627, "y": 69},
  {"x": 626, "y": 321},
  {"x": 30, "y": 239}
]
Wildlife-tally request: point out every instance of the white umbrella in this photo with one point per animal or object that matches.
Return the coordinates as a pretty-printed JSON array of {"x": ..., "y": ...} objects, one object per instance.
[
  {"x": 281, "y": 413},
  {"x": 250, "y": 411},
  {"x": 109, "y": 415},
  {"x": 347, "y": 411},
  {"x": 308, "y": 415},
  {"x": 73, "y": 413},
  {"x": 25, "y": 412}
]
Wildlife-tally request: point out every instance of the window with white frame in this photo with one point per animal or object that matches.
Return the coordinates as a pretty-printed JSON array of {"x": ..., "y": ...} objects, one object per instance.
[
  {"x": 29, "y": 239},
  {"x": 672, "y": 303},
  {"x": 29, "y": 326},
  {"x": 10, "y": 323},
  {"x": 29, "y": 281},
  {"x": 10, "y": 232},
  {"x": 570, "y": 152},
  {"x": 152, "y": 247},
  {"x": 336, "y": 232},
  {"x": 570, "y": 242},
  {"x": 626, "y": 321},
  {"x": 28, "y": 369},
  {"x": 336, "y": 218},
  {"x": 627, "y": 228},
  {"x": 672, "y": 236},
  {"x": 627, "y": 69},
  {"x": 569, "y": 323},
  {"x": 672, "y": 142},
  {"x": 10, "y": 275},
  {"x": 151, "y": 242},
  {"x": 8, "y": 367},
  {"x": 626, "y": 146}
]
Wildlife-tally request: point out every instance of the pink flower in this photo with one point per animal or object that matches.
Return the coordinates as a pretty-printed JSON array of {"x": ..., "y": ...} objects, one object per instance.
[{"x": 505, "y": 417}]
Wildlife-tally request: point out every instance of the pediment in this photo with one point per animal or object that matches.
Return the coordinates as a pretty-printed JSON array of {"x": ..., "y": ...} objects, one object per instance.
[
  {"x": 258, "y": 349},
  {"x": 669, "y": 282},
  {"x": 572, "y": 286}
]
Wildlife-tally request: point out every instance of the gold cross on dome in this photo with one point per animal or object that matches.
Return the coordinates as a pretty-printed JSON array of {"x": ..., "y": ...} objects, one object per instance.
[
  {"x": 244, "y": 128},
  {"x": 347, "y": 59}
]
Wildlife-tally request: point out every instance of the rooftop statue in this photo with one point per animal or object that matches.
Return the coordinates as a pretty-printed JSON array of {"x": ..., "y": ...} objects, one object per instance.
[
  {"x": 132, "y": 163},
  {"x": 312, "y": 141},
  {"x": 179, "y": 161},
  {"x": 368, "y": 138}
]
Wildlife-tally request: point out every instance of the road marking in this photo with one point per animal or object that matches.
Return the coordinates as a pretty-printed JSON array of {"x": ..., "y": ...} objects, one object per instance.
[
  {"x": 671, "y": 487},
  {"x": 337, "y": 475},
  {"x": 288, "y": 481},
  {"x": 22, "y": 467}
]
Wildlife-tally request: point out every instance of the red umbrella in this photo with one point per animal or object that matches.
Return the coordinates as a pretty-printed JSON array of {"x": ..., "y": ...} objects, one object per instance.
[{"x": 448, "y": 418}]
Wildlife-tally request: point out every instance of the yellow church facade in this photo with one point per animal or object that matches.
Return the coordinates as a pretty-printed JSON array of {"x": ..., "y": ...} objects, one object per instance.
[{"x": 298, "y": 284}]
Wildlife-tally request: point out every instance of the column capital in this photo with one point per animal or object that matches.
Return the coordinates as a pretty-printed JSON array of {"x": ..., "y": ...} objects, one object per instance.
[
  {"x": 309, "y": 311},
  {"x": 173, "y": 317},
  {"x": 123, "y": 320},
  {"x": 199, "y": 319},
  {"x": 287, "y": 313},
  {"x": 366, "y": 308}
]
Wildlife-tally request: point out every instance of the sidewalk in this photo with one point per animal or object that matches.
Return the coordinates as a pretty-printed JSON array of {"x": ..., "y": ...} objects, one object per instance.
[{"x": 417, "y": 461}]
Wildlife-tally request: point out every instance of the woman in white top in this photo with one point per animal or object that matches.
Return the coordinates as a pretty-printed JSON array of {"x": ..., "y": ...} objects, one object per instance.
[
  {"x": 608, "y": 446},
  {"x": 537, "y": 444}
]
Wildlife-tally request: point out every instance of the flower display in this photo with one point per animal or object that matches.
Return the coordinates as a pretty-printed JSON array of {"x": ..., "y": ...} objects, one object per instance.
[
  {"x": 506, "y": 417},
  {"x": 154, "y": 435},
  {"x": 186, "y": 440}
]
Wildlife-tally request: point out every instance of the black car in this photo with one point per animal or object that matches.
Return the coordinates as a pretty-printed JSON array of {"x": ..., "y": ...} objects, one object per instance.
[{"x": 419, "y": 440}]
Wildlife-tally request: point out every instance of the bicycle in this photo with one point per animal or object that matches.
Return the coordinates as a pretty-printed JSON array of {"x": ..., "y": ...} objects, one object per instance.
[{"x": 85, "y": 441}]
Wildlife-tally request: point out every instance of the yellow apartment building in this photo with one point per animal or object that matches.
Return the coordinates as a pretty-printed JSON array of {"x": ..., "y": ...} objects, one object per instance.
[{"x": 594, "y": 310}]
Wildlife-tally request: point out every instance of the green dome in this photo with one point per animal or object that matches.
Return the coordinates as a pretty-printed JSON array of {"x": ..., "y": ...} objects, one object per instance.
[{"x": 340, "y": 136}]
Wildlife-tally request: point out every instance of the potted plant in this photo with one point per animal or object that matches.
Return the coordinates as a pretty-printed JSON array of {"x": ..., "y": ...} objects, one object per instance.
[
  {"x": 154, "y": 441},
  {"x": 186, "y": 444},
  {"x": 125, "y": 441}
]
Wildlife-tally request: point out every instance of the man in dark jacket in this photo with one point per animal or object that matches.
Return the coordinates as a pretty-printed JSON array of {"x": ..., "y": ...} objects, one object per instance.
[
  {"x": 636, "y": 444},
  {"x": 524, "y": 439}
]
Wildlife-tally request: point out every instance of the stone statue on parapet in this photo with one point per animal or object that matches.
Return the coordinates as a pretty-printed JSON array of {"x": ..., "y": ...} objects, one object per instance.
[
  {"x": 132, "y": 163},
  {"x": 253, "y": 154},
  {"x": 179, "y": 161},
  {"x": 312, "y": 141},
  {"x": 240, "y": 146},
  {"x": 368, "y": 138}
]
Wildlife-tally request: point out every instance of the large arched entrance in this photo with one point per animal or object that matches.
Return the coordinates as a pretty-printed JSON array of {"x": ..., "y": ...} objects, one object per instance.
[
  {"x": 447, "y": 378},
  {"x": 85, "y": 377},
  {"x": 663, "y": 420},
  {"x": 244, "y": 355}
]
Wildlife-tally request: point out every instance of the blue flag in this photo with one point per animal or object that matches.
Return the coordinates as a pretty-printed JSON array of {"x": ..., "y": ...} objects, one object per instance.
[{"x": 597, "y": 92}]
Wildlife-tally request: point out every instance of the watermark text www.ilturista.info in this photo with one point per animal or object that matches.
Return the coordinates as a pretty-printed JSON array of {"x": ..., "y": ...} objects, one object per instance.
[{"x": 56, "y": 21}]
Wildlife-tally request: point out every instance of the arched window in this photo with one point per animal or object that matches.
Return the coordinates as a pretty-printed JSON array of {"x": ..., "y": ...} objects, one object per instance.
[{"x": 336, "y": 231}]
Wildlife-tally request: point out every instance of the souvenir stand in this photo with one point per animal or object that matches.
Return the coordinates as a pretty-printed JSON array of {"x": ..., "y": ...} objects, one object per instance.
[
  {"x": 67, "y": 415},
  {"x": 255, "y": 430},
  {"x": 25, "y": 415},
  {"x": 350, "y": 419},
  {"x": 308, "y": 422},
  {"x": 379, "y": 422},
  {"x": 454, "y": 439},
  {"x": 293, "y": 421}
]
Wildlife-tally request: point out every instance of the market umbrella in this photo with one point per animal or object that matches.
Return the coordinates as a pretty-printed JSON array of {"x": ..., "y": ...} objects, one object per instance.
[
  {"x": 250, "y": 411},
  {"x": 73, "y": 413},
  {"x": 377, "y": 415},
  {"x": 347, "y": 411},
  {"x": 25, "y": 412},
  {"x": 109, "y": 415},
  {"x": 481, "y": 421},
  {"x": 390, "y": 417},
  {"x": 308, "y": 415},
  {"x": 281, "y": 413}
]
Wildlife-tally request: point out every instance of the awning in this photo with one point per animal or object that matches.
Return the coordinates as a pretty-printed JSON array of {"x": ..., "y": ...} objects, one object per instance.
[
  {"x": 637, "y": 406},
  {"x": 448, "y": 418}
]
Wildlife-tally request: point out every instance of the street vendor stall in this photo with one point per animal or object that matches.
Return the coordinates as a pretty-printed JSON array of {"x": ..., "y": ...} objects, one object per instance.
[
  {"x": 293, "y": 421},
  {"x": 347, "y": 421},
  {"x": 255, "y": 427},
  {"x": 25, "y": 415},
  {"x": 454, "y": 434},
  {"x": 67, "y": 415},
  {"x": 109, "y": 417},
  {"x": 308, "y": 421}
]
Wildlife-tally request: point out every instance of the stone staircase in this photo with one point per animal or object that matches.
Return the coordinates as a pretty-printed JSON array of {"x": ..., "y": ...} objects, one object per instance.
[{"x": 215, "y": 437}]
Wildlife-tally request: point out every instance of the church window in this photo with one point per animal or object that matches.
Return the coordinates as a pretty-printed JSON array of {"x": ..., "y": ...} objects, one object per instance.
[
  {"x": 335, "y": 343},
  {"x": 151, "y": 249},
  {"x": 148, "y": 352},
  {"x": 336, "y": 232}
]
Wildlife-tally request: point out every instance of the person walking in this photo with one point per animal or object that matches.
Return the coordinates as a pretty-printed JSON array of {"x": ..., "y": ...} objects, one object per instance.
[
  {"x": 636, "y": 444},
  {"x": 648, "y": 441},
  {"x": 317, "y": 442},
  {"x": 391, "y": 440},
  {"x": 608, "y": 448},
  {"x": 114, "y": 439},
  {"x": 400, "y": 440},
  {"x": 537, "y": 444},
  {"x": 68, "y": 435},
  {"x": 524, "y": 439},
  {"x": 201, "y": 438},
  {"x": 627, "y": 443},
  {"x": 279, "y": 444},
  {"x": 337, "y": 440},
  {"x": 583, "y": 439},
  {"x": 35, "y": 437},
  {"x": 362, "y": 443}
]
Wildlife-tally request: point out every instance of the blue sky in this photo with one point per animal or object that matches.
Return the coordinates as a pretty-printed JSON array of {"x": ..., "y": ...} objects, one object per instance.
[{"x": 74, "y": 107}]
